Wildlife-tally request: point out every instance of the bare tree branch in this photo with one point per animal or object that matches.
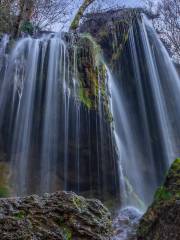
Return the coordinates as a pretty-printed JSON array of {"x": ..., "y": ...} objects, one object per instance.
[
  {"x": 79, "y": 15},
  {"x": 167, "y": 24}
]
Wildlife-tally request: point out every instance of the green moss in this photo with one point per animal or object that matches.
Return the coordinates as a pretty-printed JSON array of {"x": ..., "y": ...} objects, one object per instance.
[
  {"x": 87, "y": 70},
  {"x": 67, "y": 234},
  {"x": 171, "y": 188},
  {"x": 176, "y": 165},
  {"x": 162, "y": 194},
  {"x": 166, "y": 199},
  {"x": 4, "y": 192},
  {"x": 4, "y": 180},
  {"x": 78, "y": 202},
  {"x": 92, "y": 75},
  {"x": 20, "y": 215},
  {"x": 84, "y": 98}
]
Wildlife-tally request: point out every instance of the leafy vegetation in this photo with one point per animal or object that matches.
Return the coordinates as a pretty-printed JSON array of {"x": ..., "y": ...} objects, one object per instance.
[
  {"x": 27, "y": 27},
  {"x": 20, "y": 215},
  {"x": 162, "y": 194}
]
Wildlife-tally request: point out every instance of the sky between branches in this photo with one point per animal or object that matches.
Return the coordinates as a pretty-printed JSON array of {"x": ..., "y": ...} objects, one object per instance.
[{"x": 104, "y": 4}]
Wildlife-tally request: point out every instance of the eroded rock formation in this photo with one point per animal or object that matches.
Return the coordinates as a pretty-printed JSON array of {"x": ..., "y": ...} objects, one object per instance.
[{"x": 61, "y": 215}]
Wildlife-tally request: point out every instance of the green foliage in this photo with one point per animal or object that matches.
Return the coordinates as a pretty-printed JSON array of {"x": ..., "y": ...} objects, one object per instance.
[
  {"x": 84, "y": 98},
  {"x": 20, "y": 215},
  {"x": 176, "y": 164},
  {"x": 27, "y": 27},
  {"x": 67, "y": 234},
  {"x": 92, "y": 75},
  {"x": 162, "y": 194}
]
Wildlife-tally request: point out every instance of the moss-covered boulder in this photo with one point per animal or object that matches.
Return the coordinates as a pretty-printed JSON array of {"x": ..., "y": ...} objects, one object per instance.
[
  {"x": 162, "y": 220},
  {"x": 61, "y": 215}
]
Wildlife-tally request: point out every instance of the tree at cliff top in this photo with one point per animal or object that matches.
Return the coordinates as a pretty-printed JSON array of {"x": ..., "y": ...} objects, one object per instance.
[
  {"x": 92, "y": 6},
  {"x": 47, "y": 13},
  {"x": 82, "y": 9},
  {"x": 167, "y": 24},
  {"x": 17, "y": 16},
  {"x": 6, "y": 16}
]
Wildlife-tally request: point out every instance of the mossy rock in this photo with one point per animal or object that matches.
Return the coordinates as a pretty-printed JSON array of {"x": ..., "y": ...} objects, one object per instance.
[
  {"x": 19, "y": 215},
  {"x": 91, "y": 75},
  {"x": 162, "y": 219},
  {"x": 61, "y": 215}
]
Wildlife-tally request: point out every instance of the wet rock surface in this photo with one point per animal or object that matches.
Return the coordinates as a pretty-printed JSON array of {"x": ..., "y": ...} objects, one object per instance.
[
  {"x": 162, "y": 220},
  {"x": 61, "y": 215}
]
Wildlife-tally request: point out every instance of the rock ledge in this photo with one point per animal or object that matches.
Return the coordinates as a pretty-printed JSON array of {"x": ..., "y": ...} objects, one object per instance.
[{"x": 61, "y": 215}]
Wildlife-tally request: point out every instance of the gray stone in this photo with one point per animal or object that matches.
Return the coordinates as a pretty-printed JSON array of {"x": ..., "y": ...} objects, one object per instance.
[{"x": 61, "y": 215}]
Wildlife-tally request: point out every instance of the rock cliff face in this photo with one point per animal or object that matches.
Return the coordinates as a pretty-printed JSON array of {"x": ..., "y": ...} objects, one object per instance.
[
  {"x": 162, "y": 220},
  {"x": 62, "y": 215}
]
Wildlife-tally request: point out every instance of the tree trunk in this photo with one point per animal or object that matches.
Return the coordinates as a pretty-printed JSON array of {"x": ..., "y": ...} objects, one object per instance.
[
  {"x": 26, "y": 8},
  {"x": 79, "y": 15}
]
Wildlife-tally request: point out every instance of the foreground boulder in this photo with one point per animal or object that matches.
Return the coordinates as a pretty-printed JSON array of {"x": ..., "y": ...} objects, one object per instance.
[
  {"x": 61, "y": 215},
  {"x": 162, "y": 220}
]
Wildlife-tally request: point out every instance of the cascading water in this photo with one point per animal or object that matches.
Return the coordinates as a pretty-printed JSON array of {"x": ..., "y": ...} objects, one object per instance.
[
  {"x": 146, "y": 110},
  {"x": 56, "y": 123},
  {"x": 52, "y": 133}
]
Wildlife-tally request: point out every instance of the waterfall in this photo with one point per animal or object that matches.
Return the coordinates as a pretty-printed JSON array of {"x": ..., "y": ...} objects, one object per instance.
[
  {"x": 3, "y": 66},
  {"x": 70, "y": 122},
  {"x": 146, "y": 112},
  {"x": 53, "y": 134}
]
